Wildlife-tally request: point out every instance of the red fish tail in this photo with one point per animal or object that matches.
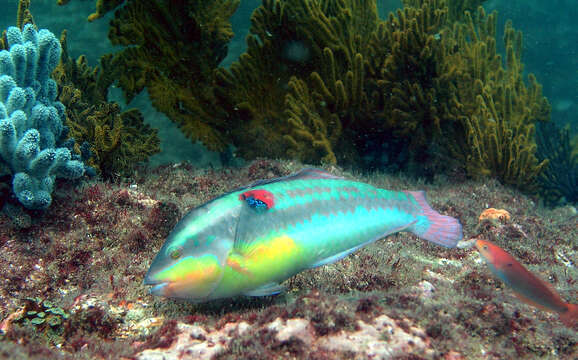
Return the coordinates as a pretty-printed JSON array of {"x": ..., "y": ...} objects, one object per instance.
[
  {"x": 570, "y": 316},
  {"x": 433, "y": 226}
]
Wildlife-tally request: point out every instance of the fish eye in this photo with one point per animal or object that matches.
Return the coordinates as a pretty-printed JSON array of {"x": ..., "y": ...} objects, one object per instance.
[
  {"x": 175, "y": 252},
  {"x": 485, "y": 247}
]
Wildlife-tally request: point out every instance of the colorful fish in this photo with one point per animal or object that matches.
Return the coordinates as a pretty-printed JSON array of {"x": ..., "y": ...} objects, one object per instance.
[
  {"x": 250, "y": 240},
  {"x": 527, "y": 286}
]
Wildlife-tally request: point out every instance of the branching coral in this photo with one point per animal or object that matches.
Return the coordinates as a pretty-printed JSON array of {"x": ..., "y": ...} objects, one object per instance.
[
  {"x": 410, "y": 85},
  {"x": 328, "y": 81},
  {"x": 301, "y": 54},
  {"x": 458, "y": 8},
  {"x": 320, "y": 113},
  {"x": 253, "y": 90},
  {"x": 405, "y": 85},
  {"x": 499, "y": 110},
  {"x": 101, "y": 7},
  {"x": 392, "y": 93},
  {"x": 312, "y": 137},
  {"x": 559, "y": 180},
  {"x": 33, "y": 139},
  {"x": 338, "y": 82},
  {"x": 118, "y": 139},
  {"x": 172, "y": 48}
]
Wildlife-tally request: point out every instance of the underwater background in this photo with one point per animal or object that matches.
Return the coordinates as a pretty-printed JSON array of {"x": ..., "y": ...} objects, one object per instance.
[
  {"x": 549, "y": 52},
  {"x": 73, "y": 268}
]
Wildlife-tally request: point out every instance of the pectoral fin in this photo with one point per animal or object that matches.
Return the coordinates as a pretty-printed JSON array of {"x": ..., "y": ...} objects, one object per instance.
[{"x": 265, "y": 290}]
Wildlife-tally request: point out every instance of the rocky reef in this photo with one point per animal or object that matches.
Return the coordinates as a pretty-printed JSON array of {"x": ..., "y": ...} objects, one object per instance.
[
  {"x": 73, "y": 280},
  {"x": 324, "y": 82}
]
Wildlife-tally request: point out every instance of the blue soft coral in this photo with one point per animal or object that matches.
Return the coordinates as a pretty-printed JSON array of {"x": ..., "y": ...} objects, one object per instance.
[{"x": 32, "y": 146}]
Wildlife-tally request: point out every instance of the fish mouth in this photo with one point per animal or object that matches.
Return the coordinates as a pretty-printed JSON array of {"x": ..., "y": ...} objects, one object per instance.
[
  {"x": 167, "y": 289},
  {"x": 189, "y": 278},
  {"x": 159, "y": 289},
  {"x": 150, "y": 280},
  {"x": 158, "y": 285}
]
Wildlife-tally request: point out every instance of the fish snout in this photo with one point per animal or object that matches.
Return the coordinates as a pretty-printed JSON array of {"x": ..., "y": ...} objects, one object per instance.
[
  {"x": 190, "y": 278},
  {"x": 159, "y": 285}
]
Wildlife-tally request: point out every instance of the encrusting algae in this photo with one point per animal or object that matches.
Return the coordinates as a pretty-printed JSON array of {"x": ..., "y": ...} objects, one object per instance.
[{"x": 446, "y": 298}]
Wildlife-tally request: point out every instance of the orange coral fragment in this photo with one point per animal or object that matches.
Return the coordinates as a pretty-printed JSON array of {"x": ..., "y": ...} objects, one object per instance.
[
  {"x": 6, "y": 324},
  {"x": 495, "y": 214}
]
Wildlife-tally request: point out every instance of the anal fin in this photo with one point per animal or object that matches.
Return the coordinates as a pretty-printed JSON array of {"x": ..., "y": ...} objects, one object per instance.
[
  {"x": 265, "y": 290},
  {"x": 336, "y": 257}
]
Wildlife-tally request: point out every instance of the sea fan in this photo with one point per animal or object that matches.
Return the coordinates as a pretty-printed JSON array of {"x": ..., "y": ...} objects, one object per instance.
[{"x": 559, "y": 180}]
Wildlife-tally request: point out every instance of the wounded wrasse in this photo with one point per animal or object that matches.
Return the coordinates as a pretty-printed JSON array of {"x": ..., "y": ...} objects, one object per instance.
[
  {"x": 527, "y": 286},
  {"x": 249, "y": 240}
]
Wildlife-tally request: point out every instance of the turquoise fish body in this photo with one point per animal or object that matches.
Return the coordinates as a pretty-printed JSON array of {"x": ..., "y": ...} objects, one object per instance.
[{"x": 250, "y": 240}]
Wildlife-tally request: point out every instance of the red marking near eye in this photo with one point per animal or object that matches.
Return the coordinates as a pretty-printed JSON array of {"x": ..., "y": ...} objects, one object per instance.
[{"x": 263, "y": 195}]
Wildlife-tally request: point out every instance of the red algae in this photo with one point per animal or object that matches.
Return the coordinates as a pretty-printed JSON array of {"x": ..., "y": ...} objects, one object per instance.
[{"x": 162, "y": 338}]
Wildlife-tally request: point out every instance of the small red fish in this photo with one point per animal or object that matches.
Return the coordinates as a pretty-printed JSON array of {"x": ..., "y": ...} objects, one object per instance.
[{"x": 527, "y": 286}]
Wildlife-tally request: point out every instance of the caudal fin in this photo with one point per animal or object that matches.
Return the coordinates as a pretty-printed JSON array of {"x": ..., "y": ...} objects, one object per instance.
[
  {"x": 433, "y": 226},
  {"x": 570, "y": 317}
]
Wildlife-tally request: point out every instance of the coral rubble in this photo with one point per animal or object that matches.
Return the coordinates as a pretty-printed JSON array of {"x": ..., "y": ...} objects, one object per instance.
[
  {"x": 384, "y": 338},
  {"x": 82, "y": 265}
]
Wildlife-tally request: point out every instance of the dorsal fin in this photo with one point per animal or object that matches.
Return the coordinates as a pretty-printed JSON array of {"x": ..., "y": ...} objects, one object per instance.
[
  {"x": 307, "y": 173},
  {"x": 314, "y": 173}
]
